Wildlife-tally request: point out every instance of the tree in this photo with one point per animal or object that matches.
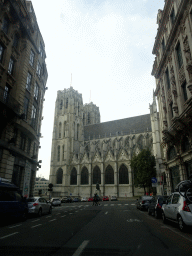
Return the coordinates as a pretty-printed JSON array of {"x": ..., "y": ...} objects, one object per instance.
[{"x": 143, "y": 166}]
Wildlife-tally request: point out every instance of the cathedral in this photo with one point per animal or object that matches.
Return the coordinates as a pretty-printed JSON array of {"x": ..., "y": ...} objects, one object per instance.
[{"x": 86, "y": 152}]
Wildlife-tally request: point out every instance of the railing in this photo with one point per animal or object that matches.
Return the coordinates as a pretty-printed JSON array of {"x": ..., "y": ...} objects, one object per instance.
[{"x": 9, "y": 101}]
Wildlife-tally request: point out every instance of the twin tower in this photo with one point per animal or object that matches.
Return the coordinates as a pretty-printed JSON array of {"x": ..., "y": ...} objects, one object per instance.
[{"x": 71, "y": 115}]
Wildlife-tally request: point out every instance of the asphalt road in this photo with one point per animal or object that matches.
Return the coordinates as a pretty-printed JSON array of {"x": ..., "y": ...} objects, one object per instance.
[{"x": 112, "y": 228}]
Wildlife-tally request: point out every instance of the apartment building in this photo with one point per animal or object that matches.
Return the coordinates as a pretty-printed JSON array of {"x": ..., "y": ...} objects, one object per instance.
[{"x": 23, "y": 77}]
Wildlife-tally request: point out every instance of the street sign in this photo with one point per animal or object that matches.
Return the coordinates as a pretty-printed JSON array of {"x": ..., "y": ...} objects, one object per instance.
[
  {"x": 154, "y": 180},
  {"x": 70, "y": 194}
]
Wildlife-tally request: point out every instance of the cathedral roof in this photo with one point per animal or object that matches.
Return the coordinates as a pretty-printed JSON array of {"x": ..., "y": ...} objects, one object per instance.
[{"x": 137, "y": 124}]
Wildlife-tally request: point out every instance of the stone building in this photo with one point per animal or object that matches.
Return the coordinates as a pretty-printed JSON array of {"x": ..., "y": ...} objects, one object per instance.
[
  {"x": 23, "y": 77},
  {"x": 86, "y": 152},
  {"x": 172, "y": 70},
  {"x": 41, "y": 187}
]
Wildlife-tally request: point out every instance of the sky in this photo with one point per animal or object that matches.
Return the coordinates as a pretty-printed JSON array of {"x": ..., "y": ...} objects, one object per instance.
[{"x": 106, "y": 47}]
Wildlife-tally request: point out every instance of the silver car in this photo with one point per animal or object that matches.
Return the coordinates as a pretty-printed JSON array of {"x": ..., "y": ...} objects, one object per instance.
[
  {"x": 55, "y": 202},
  {"x": 38, "y": 205},
  {"x": 177, "y": 209}
]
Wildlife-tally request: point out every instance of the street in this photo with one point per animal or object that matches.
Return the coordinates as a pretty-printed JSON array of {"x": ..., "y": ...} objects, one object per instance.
[{"x": 112, "y": 228}]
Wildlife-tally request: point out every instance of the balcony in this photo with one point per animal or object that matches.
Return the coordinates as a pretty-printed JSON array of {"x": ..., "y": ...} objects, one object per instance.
[{"x": 9, "y": 101}]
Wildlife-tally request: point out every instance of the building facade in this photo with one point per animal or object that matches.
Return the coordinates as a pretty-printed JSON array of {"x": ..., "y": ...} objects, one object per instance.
[
  {"x": 41, "y": 187},
  {"x": 172, "y": 70},
  {"x": 23, "y": 77},
  {"x": 86, "y": 152}
]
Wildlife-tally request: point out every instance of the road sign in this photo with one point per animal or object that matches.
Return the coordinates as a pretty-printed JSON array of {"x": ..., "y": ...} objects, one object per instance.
[
  {"x": 154, "y": 180},
  {"x": 70, "y": 194}
]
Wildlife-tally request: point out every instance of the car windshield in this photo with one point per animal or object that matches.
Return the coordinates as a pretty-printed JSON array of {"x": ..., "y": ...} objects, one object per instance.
[{"x": 146, "y": 198}]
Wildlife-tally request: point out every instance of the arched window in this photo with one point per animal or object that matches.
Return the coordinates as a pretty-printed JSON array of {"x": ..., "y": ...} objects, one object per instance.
[
  {"x": 66, "y": 105},
  {"x": 58, "y": 153},
  {"x": 185, "y": 144},
  {"x": 59, "y": 176},
  {"x": 73, "y": 177},
  {"x": 84, "y": 176},
  {"x": 63, "y": 155},
  {"x": 140, "y": 142},
  {"x": 83, "y": 119},
  {"x": 171, "y": 153},
  {"x": 61, "y": 104},
  {"x": 77, "y": 131},
  {"x": 123, "y": 175},
  {"x": 60, "y": 130},
  {"x": 96, "y": 175},
  {"x": 109, "y": 175},
  {"x": 88, "y": 118}
]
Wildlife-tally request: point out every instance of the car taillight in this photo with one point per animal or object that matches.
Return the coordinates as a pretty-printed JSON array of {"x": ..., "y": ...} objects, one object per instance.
[
  {"x": 35, "y": 204},
  {"x": 158, "y": 206},
  {"x": 143, "y": 202},
  {"x": 185, "y": 207}
]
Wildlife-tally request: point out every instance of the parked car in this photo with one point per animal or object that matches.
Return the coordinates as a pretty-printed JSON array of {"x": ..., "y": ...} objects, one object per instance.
[
  {"x": 178, "y": 209},
  {"x": 66, "y": 200},
  {"x": 55, "y": 202},
  {"x": 143, "y": 202},
  {"x": 90, "y": 199},
  {"x": 113, "y": 198},
  {"x": 155, "y": 206},
  {"x": 76, "y": 199},
  {"x": 39, "y": 206},
  {"x": 84, "y": 199},
  {"x": 105, "y": 198},
  {"x": 12, "y": 203}
]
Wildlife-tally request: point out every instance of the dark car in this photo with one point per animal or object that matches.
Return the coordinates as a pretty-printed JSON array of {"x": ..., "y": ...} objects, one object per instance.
[
  {"x": 12, "y": 203},
  {"x": 143, "y": 202},
  {"x": 66, "y": 200},
  {"x": 155, "y": 206},
  {"x": 76, "y": 199}
]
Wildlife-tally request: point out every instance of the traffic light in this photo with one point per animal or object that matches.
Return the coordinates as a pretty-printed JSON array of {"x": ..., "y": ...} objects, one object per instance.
[
  {"x": 50, "y": 189},
  {"x": 50, "y": 185}
]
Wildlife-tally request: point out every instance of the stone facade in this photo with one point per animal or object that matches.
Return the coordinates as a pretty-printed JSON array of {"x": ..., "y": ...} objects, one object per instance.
[
  {"x": 23, "y": 77},
  {"x": 173, "y": 72},
  {"x": 86, "y": 152}
]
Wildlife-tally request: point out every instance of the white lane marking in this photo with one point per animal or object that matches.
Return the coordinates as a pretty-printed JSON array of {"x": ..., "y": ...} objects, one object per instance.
[
  {"x": 52, "y": 220},
  {"x": 36, "y": 226},
  {"x": 15, "y": 226},
  {"x": 76, "y": 211},
  {"x": 35, "y": 220},
  {"x": 119, "y": 204},
  {"x": 134, "y": 220},
  {"x": 58, "y": 213},
  {"x": 105, "y": 204},
  {"x": 80, "y": 248},
  {"x": 132, "y": 204},
  {"x": 70, "y": 213},
  {"x": 176, "y": 232},
  {"x": 126, "y": 204},
  {"x": 9, "y": 235},
  {"x": 106, "y": 213},
  {"x": 66, "y": 211},
  {"x": 48, "y": 217},
  {"x": 63, "y": 216},
  {"x": 112, "y": 204}
]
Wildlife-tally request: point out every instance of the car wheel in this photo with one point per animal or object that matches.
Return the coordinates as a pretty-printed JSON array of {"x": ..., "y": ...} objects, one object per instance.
[
  {"x": 50, "y": 210},
  {"x": 149, "y": 213},
  {"x": 164, "y": 218},
  {"x": 40, "y": 212},
  {"x": 181, "y": 224},
  {"x": 156, "y": 215}
]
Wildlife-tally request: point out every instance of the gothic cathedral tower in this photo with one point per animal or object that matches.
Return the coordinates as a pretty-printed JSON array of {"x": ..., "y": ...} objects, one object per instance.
[{"x": 68, "y": 133}]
